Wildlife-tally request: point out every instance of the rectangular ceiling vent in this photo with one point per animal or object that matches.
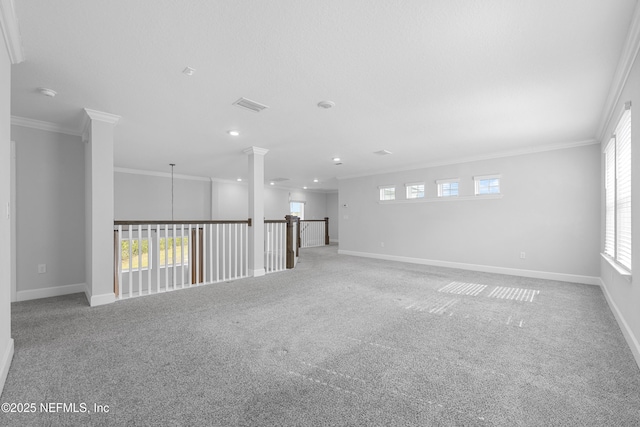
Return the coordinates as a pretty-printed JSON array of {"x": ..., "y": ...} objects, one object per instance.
[
  {"x": 248, "y": 104},
  {"x": 278, "y": 179},
  {"x": 382, "y": 152}
]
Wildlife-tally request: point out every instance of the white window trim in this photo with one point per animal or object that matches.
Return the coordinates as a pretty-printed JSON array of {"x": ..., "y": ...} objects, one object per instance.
[
  {"x": 614, "y": 259},
  {"x": 412, "y": 184},
  {"x": 478, "y": 178},
  {"x": 384, "y": 187},
  {"x": 439, "y": 183}
]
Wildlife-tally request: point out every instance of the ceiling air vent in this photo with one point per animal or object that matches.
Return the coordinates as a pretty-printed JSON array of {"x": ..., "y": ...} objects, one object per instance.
[
  {"x": 278, "y": 179},
  {"x": 248, "y": 104},
  {"x": 382, "y": 152}
]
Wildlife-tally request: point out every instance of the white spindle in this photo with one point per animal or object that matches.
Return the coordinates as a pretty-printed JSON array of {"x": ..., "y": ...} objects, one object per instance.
[
  {"x": 120, "y": 261},
  {"x": 204, "y": 253},
  {"x": 181, "y": 255},
  {"x": 130, "y": 261},
  {"x": 156, "y": 252},
  {"x": 224, "y": 250},
  {"x": 173, "y": 256},
  {"x": 166, "y": 257},
  {"x": 189, "y": 255},
  {"x": 149, "y": 264}
]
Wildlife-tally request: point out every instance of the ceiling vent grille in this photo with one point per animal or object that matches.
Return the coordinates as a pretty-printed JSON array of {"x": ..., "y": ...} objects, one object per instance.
[
  {"x": 278, "y": 179},
  {"x": 250, "y": 105}
]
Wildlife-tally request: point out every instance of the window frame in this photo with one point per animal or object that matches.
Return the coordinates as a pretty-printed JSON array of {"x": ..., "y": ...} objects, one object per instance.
[
  {"x": 479, "y": 178},
  {"x": 381, "y": 188},
  {"x": 441, "y": 182},
  {"x": 409, "y": 185},
  {"x": 617, "y": 247}
]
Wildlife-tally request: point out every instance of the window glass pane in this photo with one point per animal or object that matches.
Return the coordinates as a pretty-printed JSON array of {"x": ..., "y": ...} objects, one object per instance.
[
  {"x": 488, "y": 186},
  {"x": 297, "y": 209},
  {"x": 138, "y": 253},
  {"x": 168, "y": 253},
  {"x": 388, "y": 193},
  {"x": 415, "y": 191}
]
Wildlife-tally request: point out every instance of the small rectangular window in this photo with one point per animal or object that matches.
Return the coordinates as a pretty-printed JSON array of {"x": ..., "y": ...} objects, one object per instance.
[
  {"x": 387, "y": 192},
  {"x": 415, "y": 190},
  {"x": 447, "y": 187},
  {"x": 487, "y": 184}
]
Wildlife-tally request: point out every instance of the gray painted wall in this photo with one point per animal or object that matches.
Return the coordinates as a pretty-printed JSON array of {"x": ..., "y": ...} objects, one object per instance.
[
  {"x": 140, "y": 197},
  {"x": 624, "y": 295},
  {"x": 332, "y": 213},
  {"x": 50, "y": 208},
  {"x": 549, "y": 210}
]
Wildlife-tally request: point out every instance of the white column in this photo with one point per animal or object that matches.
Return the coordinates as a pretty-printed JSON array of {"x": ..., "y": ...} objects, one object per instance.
[
  {"x": 98, "y": 134},
  {"x": 256, "y": 210}
]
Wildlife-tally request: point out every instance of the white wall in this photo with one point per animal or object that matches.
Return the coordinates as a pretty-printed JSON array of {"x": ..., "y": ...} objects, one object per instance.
[
  {"x": 50, "y": 211},
  {"x": 6, "y": 342},
  {"x": 623, "y": 295},
  {"x": 140, "y": 197},
  {"x": 549, "y": 210}
]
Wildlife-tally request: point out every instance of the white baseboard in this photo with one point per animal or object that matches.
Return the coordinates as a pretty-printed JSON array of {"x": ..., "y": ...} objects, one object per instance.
[
  {"x": 562, "y": 277},
  {"x": 5, "y": 364},
  {"x": 257, "y": 273},
  {"x": 632, "y": 341},
  {"x": 102, "y": 299},
  {"x": 53, "y": 291}
]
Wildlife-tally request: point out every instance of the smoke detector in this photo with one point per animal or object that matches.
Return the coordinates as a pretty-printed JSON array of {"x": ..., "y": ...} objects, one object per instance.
[
  {"x": 47, "y": 92},
  {"x": 326, "y": 104},
  {"x": 382, "y": 152}
]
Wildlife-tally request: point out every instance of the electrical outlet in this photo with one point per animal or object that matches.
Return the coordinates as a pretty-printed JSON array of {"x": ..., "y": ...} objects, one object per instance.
[
  {"x": 42, "y": 268},
  {"x": 523, "y": 255}
]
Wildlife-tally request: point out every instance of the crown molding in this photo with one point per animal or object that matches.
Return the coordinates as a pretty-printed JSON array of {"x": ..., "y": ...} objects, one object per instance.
[
  {"x": 100, "y": 116},
  {"x": 255, "y": 150},
  {"x": 42, "y": 125},
  {"x": 161, "y": 174},
  {"x": 499, "y": 155},
  {"x": 625, "y": 63},
  {"x": 11, "y": 31}
]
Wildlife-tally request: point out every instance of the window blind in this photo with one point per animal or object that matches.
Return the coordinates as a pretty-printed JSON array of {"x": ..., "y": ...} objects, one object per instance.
[{"x": 623, "y": 190}]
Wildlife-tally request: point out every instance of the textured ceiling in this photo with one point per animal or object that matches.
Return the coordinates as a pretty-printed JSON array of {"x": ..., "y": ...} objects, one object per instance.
[{"x": 431, "y": 81}]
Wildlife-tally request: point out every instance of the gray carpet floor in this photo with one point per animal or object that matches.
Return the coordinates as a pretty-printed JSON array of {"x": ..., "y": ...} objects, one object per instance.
[{"x": 338, "y": 341}]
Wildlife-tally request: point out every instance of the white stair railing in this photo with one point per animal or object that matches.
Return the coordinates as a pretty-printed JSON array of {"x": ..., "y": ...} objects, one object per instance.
[
  {"x": 275, "y": 245},
  {"x": 160, "y": 256},
  {"x": 314, "y": 232}
]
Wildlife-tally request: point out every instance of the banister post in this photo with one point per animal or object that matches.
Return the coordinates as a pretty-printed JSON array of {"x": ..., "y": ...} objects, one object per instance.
[
  {"x": 290, "y": 252},
  {"x": 326, "y": 230}
]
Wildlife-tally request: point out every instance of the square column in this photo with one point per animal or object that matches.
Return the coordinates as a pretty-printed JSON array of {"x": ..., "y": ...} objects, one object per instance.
[
  {"x": 256, "y": 210},
  {"x": 99, "y": 206}
]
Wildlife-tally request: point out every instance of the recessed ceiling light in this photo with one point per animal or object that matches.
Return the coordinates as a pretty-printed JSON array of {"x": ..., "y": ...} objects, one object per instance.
[
  {"x": 233, "y": 132},
  {"x": 188, "y": 71},
  {"x": 239, "y": 179},
  {"x": 336, "y": 159},
  {"x": 304, "y": 188},
  {"x": 326, "y": 104},
  {"x": 315, "y": 180},
  {"x": 272, "y": 183},
  {"x": 47, "y": 92}
]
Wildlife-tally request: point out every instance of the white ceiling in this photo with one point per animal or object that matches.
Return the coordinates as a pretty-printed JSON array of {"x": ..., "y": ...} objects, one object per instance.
[{"x": 431, "y": 81}]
